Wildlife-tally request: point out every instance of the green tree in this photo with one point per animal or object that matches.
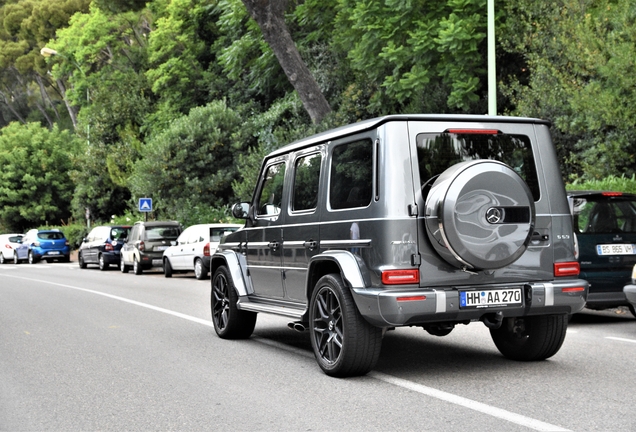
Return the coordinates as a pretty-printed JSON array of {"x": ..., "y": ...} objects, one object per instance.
[
  {"x": 580, "y": 56},
  {"x": 35, "y": 187},
  {"x": 193, "y": 161}
]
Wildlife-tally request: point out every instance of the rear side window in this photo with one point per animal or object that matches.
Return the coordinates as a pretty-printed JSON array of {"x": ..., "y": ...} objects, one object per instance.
[
  {"x": 603, "y": 215},
  {"x": 437, "y": 152},
  {"x": 306, "y": 181},
  {"x": 217, "y": 233},
  {"x": 351, "y": 176}
]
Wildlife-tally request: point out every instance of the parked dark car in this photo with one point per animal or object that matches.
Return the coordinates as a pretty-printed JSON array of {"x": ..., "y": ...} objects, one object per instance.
[
  {"x": 605, "y": 226},
  {"x": 146, "y": 243},
  {"x": 102, "y": 246},
  {"x": 405, "y": 220},
  {"x": 48, "y": 245}
]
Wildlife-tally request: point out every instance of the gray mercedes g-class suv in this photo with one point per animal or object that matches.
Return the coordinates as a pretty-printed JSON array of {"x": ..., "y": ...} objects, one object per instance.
[{"x": 405, "y": 220}]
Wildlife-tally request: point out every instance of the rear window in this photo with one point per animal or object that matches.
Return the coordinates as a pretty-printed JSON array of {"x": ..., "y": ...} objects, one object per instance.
[
  {"x": 604, "y": 215},
  {"x": 50, "y": 235},
  {"x": 438, "y": 151},
  {"x": 119, "y": 233},
  {"x": 217, "y": 233},
  {"x": 161, "y": 233}
]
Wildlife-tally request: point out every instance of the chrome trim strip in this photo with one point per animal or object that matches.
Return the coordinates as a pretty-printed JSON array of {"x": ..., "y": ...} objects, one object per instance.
[{"x": 345, "y": 243}]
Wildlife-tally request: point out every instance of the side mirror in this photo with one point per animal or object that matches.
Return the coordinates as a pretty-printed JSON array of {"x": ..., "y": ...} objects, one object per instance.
[
  {"x": 241, "y": 210},
  {"x": 84, "y": 240},
  {"x": 173, "y": 243}
]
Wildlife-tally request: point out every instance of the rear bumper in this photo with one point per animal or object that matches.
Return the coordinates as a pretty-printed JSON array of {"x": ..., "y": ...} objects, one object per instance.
[
  {"x": 382, "y": 307},
  {"x": 630, "y": 294}
]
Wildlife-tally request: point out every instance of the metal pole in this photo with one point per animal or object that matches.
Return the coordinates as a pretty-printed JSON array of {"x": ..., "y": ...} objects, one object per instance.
[{"x": 492, "y": 72}]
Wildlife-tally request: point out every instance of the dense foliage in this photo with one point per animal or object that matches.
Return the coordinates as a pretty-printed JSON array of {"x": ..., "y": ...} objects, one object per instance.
[{"x": 180, "y": 99}]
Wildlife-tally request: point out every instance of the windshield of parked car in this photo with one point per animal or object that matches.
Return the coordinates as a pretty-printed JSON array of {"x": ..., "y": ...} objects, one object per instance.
[
  {"x": 161, "y": 233},
  {"x": 437, "y": 152},
  {"x": 50, "y": 235},
  {"x": 604, "y": 214}
]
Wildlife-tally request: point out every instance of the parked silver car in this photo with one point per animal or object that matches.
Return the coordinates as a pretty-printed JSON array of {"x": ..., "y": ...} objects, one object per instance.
[
  {"x": 406, "y": 220},
  {"x": 192, "y": 250}
]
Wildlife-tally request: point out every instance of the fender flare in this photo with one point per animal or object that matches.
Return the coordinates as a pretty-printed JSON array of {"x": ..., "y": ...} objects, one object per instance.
[
  {"x": 350, "y": 267},
  {"x": 237, "y": 265}
]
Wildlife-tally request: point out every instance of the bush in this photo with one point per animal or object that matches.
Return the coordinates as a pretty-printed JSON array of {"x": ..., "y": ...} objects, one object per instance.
[{"x": 611, "y": 183}]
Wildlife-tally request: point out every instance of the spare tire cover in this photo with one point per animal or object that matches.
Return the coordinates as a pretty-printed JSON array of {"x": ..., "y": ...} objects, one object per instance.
[{"x": 480, "y": 215}]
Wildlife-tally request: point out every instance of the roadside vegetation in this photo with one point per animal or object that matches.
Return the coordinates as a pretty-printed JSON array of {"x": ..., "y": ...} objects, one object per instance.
[{"x": 178, "y": 100}]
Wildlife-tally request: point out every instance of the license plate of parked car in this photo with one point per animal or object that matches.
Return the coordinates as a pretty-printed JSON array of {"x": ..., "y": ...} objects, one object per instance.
[
  {"x": 54, "y": 253},
  {"x": 616, "y": 249},
  {"x": 498, "y": 297}
]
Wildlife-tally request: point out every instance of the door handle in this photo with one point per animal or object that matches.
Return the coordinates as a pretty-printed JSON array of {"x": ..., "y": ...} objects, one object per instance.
[{"x": 311, "y": 244}]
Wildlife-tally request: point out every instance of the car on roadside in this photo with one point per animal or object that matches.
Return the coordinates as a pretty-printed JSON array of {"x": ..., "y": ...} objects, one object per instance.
[
  {"x": 192, "y": 250},
  {"x": 102, "y": 246},
  {"x": 605, "y": 228},
  {"x": 630, "y": 292},
  {"x": 48, "y": 245},
  {"x": 8, "y": 243},
  {"x": 146, "y": 243},
  {"x": 419, "y": 220}
]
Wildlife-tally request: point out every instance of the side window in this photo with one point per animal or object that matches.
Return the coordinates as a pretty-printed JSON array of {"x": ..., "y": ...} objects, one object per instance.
[
  {"x": 351, "y": 181},
  {"x": 270, "y": 199},
  {"x": 306, "y": 181}
]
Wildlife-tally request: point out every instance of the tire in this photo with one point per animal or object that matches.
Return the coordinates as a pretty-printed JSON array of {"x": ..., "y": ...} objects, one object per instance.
[
  {"x": 480, "y": 215},
  {"x": 229, "y": 321},
  {"x": 137, "y": 267},
  {"x": 103, "y": 266},
  {"x": 530, "y": 338},
  {"x": 167, "y": 268},
  {"x": 31, "y": 258},
  {"x": 2, "y": 260},
  {"x": 123, "y": 267},
  {"x": 632, "y": 310},
  {"x": 80, "y": 260},
  {"x": 344, "y": 343},
  {"x": 15, "y": 258},
  {"x": 199, "y": 270}
]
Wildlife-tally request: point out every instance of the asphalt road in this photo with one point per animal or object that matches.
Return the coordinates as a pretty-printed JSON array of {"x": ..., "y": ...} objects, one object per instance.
[{"x": 90, "y": 350}]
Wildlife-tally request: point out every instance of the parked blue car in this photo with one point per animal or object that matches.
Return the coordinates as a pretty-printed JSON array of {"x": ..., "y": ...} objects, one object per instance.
[{"x": 48, "y": 245}]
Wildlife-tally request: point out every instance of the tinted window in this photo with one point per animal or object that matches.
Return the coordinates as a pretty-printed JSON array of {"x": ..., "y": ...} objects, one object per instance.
[
  {"x": 306, "y": 180},
  {"x": 351, "y": 178},
  {"x": 15, "y": 239},
  {"x": 604, "y": 215},
  {"x": 271, "y": 196},
  {"x": 119, "y": 233},
  {"x": 437, "y": 152}
]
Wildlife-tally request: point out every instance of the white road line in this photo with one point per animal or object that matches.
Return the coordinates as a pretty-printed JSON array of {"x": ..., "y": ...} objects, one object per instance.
[
  {"x": 620, "y": 339},
  {"x": 428, "y": 391}
]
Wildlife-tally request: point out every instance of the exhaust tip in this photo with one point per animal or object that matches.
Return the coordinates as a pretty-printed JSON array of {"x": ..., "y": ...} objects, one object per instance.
[{"x": 298, "y": 326}]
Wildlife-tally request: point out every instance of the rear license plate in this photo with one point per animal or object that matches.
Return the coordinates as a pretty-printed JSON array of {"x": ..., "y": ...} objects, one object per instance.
[
  {"x": 490, "y": 298},
  {"x": 161, "y": 248},
  {"x": 53, "y": 253},
  {"x": 157, "y": 262},
  {"x": 616, "y": 249}
]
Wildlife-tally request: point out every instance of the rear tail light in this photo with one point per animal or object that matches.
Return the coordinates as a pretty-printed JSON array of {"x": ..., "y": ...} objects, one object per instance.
[
  {"x": 206, "y": 249},
  {"x": 142, "y": 246},
  {"x": 8, "y": 246},
  {"x": 108, "y": 247},
  {"x": 66, "y": 243},
  {"x": 612, "y": 194},
  {"x": 573, "y": 289},
  {"x": 411, "y": 298},
  {"x": 399, "y": 277},
  {"x": 567, "y": 269}
]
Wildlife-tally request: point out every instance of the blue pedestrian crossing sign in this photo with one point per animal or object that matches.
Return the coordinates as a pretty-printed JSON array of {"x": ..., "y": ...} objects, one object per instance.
[{"x": 145, "y": 204}]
